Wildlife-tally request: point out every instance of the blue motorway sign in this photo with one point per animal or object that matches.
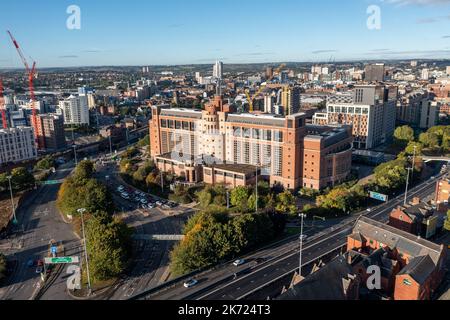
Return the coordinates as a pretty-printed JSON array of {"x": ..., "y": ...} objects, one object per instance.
[
  {"x": 54, "y": 249},
  {"x": 378, "y": 196}
]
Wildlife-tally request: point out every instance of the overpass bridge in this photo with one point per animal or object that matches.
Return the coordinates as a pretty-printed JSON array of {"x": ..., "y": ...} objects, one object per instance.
[{"x": 437, "y": 158}]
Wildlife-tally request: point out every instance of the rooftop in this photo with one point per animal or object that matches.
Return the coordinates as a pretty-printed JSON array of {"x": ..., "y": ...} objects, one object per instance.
[{"x": 395, "y": 238}]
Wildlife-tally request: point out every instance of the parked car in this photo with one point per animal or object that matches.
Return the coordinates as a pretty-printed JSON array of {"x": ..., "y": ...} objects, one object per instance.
[{"x": 190, "y": 283}]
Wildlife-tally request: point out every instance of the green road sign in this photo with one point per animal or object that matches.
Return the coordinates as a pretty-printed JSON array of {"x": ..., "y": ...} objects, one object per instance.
[
  {"x": 51, "y": 182},
  {"x": 62, "y": 260}
]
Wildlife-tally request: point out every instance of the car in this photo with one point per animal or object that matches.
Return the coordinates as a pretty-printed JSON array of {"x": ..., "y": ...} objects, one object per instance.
[
  {"x": 304, "y": 237},
  {"x": 121, "y": 188},
  {"x": 143, "y": 206},
  {"x": 190, "y": 283},
  {"x": 144, "y": 201},
  {"x": 159, "y": 203},
  {"x": 369, "y": 210},
  {"x": 150, "y": 206},
  {"x": 239, "y": 262},
  {"x": 165, "y": 207}
]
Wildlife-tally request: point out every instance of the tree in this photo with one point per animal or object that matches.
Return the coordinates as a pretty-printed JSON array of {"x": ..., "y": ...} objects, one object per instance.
[
  {"x": 45, "y": 164},
  {"x": 430, "y": 140},
  {"x": 4, "y": 181},
  {"x": 286, "y": 203},
  {"x": 21, "y": 179},
  {"x": 447, "y": 222},
  {"x": 391, "y": 175},
  {"x": 144, "y": 142},
  {"x": 239, "y": 198},
  {"x": 212, "y": 236},
  {"x": 403, "y": 135},
  {"x": 108, "y": 245},
  {"x": 410, "y": 148},
  {"x": 84, "y": 170}
]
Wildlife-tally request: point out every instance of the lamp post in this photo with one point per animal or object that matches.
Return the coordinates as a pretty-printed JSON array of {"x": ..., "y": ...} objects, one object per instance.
[
  {"x": 12, "y": 200},
  {"x": 302, "y": 216},
  {"x": 413, "y": 163},
  {"x": 407, "y": 184},
  {"x": 81, "y": 212},
  {"x": 256, "y": 189},
  {"x": 75, "y": 154}
]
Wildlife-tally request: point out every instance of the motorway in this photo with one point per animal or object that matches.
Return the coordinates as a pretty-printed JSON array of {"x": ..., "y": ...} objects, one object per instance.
[
  {"x": 39, "y": 222},
  {"x": 280, "y": 260}
]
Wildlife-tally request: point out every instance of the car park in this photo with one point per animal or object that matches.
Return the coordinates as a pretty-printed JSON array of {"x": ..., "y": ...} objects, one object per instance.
[{"x": 190, "y": 283}]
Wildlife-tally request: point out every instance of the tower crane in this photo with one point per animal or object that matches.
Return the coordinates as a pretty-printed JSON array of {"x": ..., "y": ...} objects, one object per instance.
[{"x": 31, "y": 72}]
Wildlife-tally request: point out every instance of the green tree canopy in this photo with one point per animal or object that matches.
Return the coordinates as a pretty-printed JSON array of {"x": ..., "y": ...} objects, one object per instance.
[
  {"x": 21, "y": 179},
  {"x": 239, "y": 198},
  {"x": 286, "y": 203},
  {"x": 45, "y": 164},
  {"x": 403, "y": 135},
  {"x": 212, "y": 236},
  {"x": 108, "y": 246}
]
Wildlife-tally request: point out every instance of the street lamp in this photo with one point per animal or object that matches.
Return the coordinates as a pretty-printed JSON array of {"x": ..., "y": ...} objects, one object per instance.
[
  {"x": 12, "y": 200},
  {"x": 256, "y": 202},
  {"x": 407, "y": 184},
  {"x": 75, "y": 153},
  {"x": 81, "y": 212},
  {"x": 302, "y": 216},
  {"x": 413, "y": 163}
]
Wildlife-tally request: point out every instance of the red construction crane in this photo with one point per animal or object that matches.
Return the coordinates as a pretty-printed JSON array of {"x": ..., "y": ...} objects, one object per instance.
[
  {"x": 2, "y": 106},
  {"x": 31, "y": 73}
]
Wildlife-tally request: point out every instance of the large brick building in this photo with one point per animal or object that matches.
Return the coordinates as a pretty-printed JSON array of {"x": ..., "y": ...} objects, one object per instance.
[
  {"x": 416, "y": 217},
  {"x": 195, "y": 144},
  {"x": 411, "y": 267}
]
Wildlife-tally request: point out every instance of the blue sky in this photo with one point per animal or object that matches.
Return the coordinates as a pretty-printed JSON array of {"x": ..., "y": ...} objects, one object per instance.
[{"x": 149, "y": 32}]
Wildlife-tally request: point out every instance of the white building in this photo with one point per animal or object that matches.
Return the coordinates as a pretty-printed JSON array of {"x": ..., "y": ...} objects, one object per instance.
[
  {"x": 425, "y": 74},
  {"x": 448, "y": 70},
  {"x": 218, "y": 70},
  {"x": 268, "y": 103},
  {"x": 17, "y": 144},
  {"x": 75, "y": 110},
  {"x": 368, "y": 109}
]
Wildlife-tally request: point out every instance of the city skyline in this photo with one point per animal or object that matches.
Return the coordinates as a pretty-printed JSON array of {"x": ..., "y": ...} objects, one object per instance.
[{"x": 156, "y": 33}]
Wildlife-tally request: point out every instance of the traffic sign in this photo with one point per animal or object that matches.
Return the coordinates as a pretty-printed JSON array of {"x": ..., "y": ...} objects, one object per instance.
[
  {"x": 54, "y": 249},
  {"x": 62, "y": 260},
  {"x": 51, "y": 182},
  {"x": 378, "y": 196}
]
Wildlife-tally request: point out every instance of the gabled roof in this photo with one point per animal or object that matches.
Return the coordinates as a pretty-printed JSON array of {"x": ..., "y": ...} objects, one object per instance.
[
  {"x": 393, "y": 238},
  {"x": 419, "y": 268},
  {"x": 326, "y": 284}
]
